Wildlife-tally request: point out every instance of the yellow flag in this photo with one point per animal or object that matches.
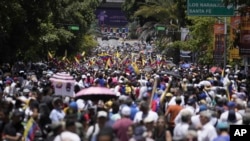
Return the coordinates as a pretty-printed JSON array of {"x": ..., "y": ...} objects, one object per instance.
[
  {"x": 108, "y": 63},
  {"x": 83, "y": 53},
  {"x": 135, "y": 67},
  {"x": 77, "y": 61},
  {"x": 143, "y": 62},
  {"x": 50, "y": 55},
  {"x": 117, "y": 54},
  {"x": 223, "y": 73}
]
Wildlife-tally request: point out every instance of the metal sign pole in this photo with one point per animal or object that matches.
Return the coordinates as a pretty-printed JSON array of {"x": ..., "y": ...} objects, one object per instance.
[{"x": 225, "y": 42}]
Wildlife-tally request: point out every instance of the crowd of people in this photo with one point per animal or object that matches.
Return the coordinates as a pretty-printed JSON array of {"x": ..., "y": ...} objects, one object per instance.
[{"x": 195, "y": 105}]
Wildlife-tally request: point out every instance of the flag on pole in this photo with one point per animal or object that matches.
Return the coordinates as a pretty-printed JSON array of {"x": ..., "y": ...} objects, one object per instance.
[
  {"x": 77, "y": 61},
  {"x": 117, "y": 54},
  {"x": 30, "y": 130},
  {"x": 83, "y": 53},
  {"x": 108, "y": 63},
  {"x": 135, "y": 67},
  {"x": 50, "y": 55}
]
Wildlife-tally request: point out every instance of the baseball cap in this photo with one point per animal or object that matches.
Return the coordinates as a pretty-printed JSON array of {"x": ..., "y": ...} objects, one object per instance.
[
  {"x": 73, "y": 105},
  {"x": 126, "y": 111},
  {"x": 202, "y": 108},
  {"x": 231, "y": 104},
  {"x": 169, "y": 94},
  {"x": 191, "y": 101},
  {"x": 84, "y": 76},
  {"x": 102, "y": 114},
  {"x": 222, "y": 125}
]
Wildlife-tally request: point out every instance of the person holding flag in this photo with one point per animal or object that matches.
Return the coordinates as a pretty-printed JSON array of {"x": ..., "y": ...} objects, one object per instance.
[{"x": 32, "y": 126}]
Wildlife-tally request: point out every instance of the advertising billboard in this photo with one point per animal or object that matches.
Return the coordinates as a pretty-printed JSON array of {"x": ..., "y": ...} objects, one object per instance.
[{"x": 111, "y": 17}]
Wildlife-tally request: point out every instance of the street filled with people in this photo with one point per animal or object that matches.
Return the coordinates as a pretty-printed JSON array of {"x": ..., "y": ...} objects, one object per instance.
[{"x": 128, "y": 92}]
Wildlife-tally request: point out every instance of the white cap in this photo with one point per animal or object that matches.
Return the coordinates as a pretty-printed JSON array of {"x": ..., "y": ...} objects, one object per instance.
[
  {"x": 126, "y": 111},
  {"x": 80, "y": 103},
  {"x": 26, "y": 90},
  {"x": 227, "y": 70},
  {"x": 123, "y": 97},
  {"x": 148, "y": 119},
  {"x": 102, "y": 114},
  {"x": 84, "y": 76}
]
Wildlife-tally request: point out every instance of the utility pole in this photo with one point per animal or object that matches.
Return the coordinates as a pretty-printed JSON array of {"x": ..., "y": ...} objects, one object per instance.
[{"x": 225, "y": 43}]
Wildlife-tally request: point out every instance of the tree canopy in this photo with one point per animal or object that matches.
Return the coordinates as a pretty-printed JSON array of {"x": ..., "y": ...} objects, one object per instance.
[{"x": 31, "y": 28}]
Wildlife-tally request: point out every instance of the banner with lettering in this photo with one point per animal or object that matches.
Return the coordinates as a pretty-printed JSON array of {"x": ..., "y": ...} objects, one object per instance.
[
  {"x": 219, "y": 39},
  {"x": 245, "y": 36}
]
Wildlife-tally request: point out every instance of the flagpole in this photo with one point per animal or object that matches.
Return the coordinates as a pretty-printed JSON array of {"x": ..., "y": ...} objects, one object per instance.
[
  {"x": 225, "y": 43},
  {"x": 153, "y": 91}
]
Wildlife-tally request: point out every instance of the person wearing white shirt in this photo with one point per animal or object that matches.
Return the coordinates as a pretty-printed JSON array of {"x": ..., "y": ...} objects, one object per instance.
[
  {"x": 207, "y": 131},
  {"x": 181, "y": 128},
  {"x": 231, "y": 115},
  {"x": 143, "y": 87},
  {"x": 13, "y": 87},
  {"x": 81, "y": 83},
  {"x": 196, "y": 118},
  {"x": 144, "y": 113},
  {"x": 190, "y": 106},
  {"x": 70, "y": 133},
  {"x": 93, "y": 130}
]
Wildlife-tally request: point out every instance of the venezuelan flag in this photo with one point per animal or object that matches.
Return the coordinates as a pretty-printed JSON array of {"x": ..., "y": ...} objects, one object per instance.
[
  {"x": 104, "y": 56},
  {"x": 30, "y": 130}
]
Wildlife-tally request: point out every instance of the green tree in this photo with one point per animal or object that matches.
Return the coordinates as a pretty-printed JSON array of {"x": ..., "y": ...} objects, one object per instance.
[
  {"x": 156, "y": 13},
  {"x": 237, "y": 2},
  {"x": 30, "y": 28},
  {"x": 130, "y": 6},
  {"x": 201, "y": 41}
]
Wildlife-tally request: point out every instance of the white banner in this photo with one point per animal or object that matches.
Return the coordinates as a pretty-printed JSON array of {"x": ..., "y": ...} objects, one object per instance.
[{"x": 184, "y": 33}]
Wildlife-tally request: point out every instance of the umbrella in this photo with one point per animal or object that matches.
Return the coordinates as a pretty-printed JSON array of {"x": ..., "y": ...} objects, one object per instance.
[
  {"x": 186, "y": 65},
  {"x": 96, "y": 93},
  {"x": 174, "y": 74},
  {"x": 215, "y": 69}
]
